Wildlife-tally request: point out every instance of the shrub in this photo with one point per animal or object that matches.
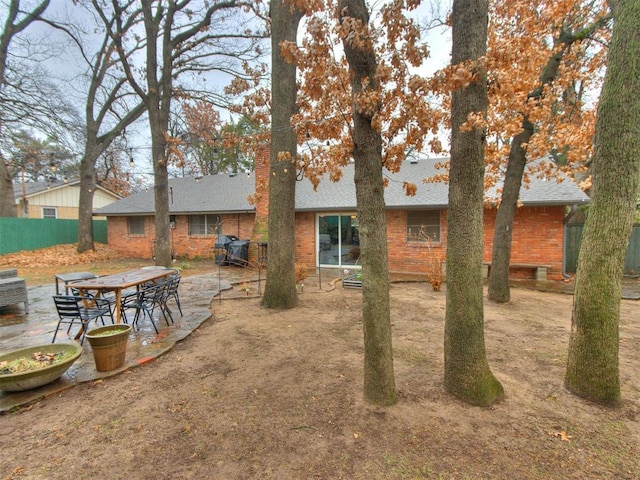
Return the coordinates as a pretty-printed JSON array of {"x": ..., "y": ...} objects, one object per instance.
[{"x": 301, "y": 272}]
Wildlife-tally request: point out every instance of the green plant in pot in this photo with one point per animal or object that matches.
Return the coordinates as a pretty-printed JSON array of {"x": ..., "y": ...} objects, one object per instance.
[{"x": 109, "y": 346}]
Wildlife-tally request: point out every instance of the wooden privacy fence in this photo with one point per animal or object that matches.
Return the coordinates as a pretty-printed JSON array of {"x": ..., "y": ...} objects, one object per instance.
[
  {"x": 572, "y": 236},
  {"x": 18, "y": 234}
]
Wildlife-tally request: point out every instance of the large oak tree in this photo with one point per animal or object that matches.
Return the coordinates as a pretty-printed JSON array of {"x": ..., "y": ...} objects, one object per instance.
[
  {"x": 280, "y": 290},
  {"x": 110, "y": 104},
  {"x": 16, "y": 22},
  {"x": 360, "y": 101},
  {"x": 467, "y": 373},
  {"x": 593, "y": 365},
  {"x": 181, "y": 39},
  {"x": 552, "y": 116},
  {"x": 379, "y": 382}
]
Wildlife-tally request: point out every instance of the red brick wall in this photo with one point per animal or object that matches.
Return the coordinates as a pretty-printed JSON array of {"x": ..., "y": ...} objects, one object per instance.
[
  {"x": 537, "y": 239},
  {"x": 413, "y": 256},
  {"x": 537, "y": 235},
  {"x": 138, "y": 246},
  {"x": 183, "y": 244},
  {"x": 306, "y": 238}
]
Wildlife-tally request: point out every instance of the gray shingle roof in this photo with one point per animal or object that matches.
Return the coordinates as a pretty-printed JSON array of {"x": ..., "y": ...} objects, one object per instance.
[
  {"x": 226, "y": 194},
  {"x": 32, "y": 188},
  {"x": 211, "y": 194},
  {"x": 342, "y": 195}
]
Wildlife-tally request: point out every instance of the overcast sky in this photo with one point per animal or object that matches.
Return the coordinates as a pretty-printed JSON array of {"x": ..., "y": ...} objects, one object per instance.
[{"x": 68, "y": 65}]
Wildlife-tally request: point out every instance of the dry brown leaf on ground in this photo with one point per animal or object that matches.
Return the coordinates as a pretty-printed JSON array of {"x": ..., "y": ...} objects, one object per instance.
[
  {"x": 66, "y": 254},
  {"x": 561, "y": 435}
]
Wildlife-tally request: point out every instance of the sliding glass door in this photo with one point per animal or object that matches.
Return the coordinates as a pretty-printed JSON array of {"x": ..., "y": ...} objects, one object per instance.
[{"x": 338, "y": 241}]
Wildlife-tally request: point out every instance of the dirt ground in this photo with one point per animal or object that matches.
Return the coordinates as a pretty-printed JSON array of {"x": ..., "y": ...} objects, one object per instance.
[{"x": 278, "y": 395}]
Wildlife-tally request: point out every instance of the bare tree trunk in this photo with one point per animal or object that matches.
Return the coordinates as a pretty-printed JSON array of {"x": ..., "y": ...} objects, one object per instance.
[
  {"x": 12, "y": 27},
  {"x": 503, "y": 230},
  {"x": 280, "y": 290},
  {"x": 8, "y": 200},
  {"x": 379, "y": 382},
  {"x": 158, "y": 105},
  {"x": 593, "y": 365},
  {"x": 467, "y": 373},
  {"x": 87, "y": 190},
  {"x": 105, "y": 100}
]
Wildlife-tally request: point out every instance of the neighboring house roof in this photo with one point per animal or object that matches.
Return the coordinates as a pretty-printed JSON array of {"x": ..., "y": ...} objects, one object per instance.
[
  {"x": 210, "y": 194},
  {"x": 228, "y": 194},
  {"x": 34, "y": 188}
]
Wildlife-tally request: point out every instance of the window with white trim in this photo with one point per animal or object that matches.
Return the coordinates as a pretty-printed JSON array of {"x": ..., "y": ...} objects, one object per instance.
[{"x": 49, "y": 212}]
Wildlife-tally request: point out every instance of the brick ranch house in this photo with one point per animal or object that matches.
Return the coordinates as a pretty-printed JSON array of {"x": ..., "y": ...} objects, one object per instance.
[{"x": 327, "y": 225}]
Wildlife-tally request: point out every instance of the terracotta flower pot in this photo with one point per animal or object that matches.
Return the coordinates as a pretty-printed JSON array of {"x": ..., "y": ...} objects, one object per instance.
[{"x": 109, "y": 346}]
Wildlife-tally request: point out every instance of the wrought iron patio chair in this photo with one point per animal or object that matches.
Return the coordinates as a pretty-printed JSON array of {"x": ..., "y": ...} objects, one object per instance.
[
  {"x": 145, "y": 302},
  {"x": 106, "y": 294},
  {"x": 82, "y": 310},
  {"x": 174, "y": 283}
]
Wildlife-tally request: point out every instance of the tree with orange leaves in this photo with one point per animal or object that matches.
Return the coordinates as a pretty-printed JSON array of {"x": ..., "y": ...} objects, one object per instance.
[
  {"x": 360, "y": 100},
  {"x": 400, "y": 102},
  {"x": 202, "y": 124},
  {"x": 207, "y": 146},
  {"x": 539, "y": 71},
  {"x": 379, "y": 383}
]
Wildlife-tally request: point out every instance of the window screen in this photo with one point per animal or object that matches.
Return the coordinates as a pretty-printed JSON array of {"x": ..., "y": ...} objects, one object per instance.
[
  {"x": 205, "y": 224},
  {"x": 49, "y": 212},
  {"x": 136, "y": 225},
  {"x": 423, "y": 225}
]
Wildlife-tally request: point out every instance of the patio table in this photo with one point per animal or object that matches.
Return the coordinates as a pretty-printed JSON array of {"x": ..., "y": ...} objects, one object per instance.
[
  {"x": 117, "y": 282},
  {"x": 66, "y": 278}
]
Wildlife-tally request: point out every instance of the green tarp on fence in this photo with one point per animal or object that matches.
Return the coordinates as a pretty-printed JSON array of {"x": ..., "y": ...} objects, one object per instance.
[{"x": 33, "y": 233}]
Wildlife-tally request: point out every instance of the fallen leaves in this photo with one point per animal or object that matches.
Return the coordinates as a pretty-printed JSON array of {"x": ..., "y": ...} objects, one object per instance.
[
  {"x": 17, "y": 472},
  {"x": 562, "y": 435},
  {"x": 66, "y": 254}
]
